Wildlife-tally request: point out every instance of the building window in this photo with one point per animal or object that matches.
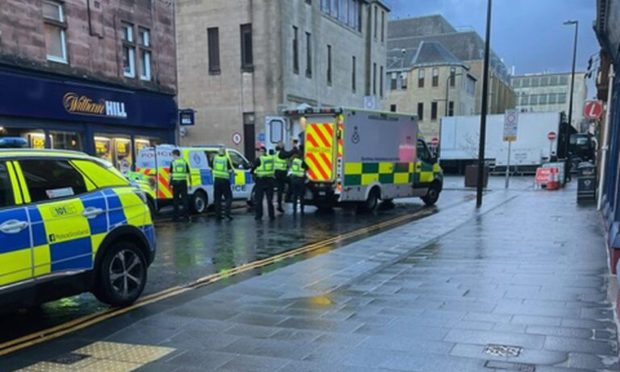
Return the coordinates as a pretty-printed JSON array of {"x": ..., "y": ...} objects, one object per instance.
[
  {"x": 247, "y": 56},
  {"x": 403, "y": 81},
  {"x": 381, "y": 81},
  {"x": 452, "y": 77},
  {"x": 393, "y": 108},
  {"x": 544, "y": 81},
  {"x": 213, "y": 43},
  {"x": 542, "y": 99},
  {"x": 553, "y": 80},
  {"x": 451, "y": 108},
  {"x": 421, "y": 111},
  {"x": 470, "y": 86},
  {"x": 561, "y": 97},
  {"x": 421, "y": 78},
  {"x": 382, "y": 26},
  {"x": 374, "y": 79},
  {"x": 433, "y": 111},
  {"x": 295, "y": 50},
  {"x": 145, "y": 53},
  {"x": 309, "y": 2},
  {"x": 564, "y": 80},
  {"x": 435, "y": 81},
  {"x": 393, "y": 81},
  {"x": 308, "y": 55},
  {"x": 353, "y": 74},
  {"x": 334, "y": 8},
  {"x": 535, "y": 82},
  {"x": 526, "y": 83},
  {"x": 516, "y": 83},
  {"x": 343, "y": 11},
  {"x": 55, "y": 31},
  {"x": 375, "y": 20},
  {"x": 129, "y": 51},
  {"x": 329, "y": 65},
  {"x": 553, "y": 99}
]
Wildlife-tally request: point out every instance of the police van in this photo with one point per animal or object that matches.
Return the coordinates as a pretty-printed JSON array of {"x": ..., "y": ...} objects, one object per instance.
[
  {"x": 154, "y": 163},
  {"x": 70, "y": 223}
]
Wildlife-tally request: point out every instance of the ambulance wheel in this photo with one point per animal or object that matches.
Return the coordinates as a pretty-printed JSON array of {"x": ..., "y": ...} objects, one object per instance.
[
  {"x": 121, "y": 276},
  {"x": 200, "y": 202},
  {"x": 372, "y": 202},
  {"x": 432, "y": 195}
]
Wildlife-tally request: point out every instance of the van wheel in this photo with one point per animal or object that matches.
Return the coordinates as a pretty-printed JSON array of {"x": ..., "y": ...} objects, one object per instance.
[
  {"x": 432, "y": 195},
  {"x": 121, "y": 277},
  {"x": 200, "y": 202},
  {"x": 372, "y": 202}
]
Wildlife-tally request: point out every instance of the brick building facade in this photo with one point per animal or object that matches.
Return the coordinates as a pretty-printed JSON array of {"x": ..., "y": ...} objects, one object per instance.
[{"x": 91, "y": 75}]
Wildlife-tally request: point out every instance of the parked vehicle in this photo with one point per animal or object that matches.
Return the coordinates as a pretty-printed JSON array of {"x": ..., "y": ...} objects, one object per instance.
[
  {"x": 70, "y": 223},
  {"x": 154, "y": 163},
  {"x": 359, "y": 157}
]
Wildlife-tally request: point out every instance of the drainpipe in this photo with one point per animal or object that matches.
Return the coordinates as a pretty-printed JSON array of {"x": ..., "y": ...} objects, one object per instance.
[{"x": 605, "y": 147}]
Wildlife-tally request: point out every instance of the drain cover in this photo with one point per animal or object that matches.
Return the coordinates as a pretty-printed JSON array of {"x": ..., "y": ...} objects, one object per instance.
[
  {"x": 521, "y": 367},
  {"x": 69, "y": 358},
  {"x": 505, "y": 351}
]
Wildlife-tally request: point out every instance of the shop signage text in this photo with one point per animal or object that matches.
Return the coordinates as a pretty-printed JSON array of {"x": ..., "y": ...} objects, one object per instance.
[{"x": 84, "y": 105}]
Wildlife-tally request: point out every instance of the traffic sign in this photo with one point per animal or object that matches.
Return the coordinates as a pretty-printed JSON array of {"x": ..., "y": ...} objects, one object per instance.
[
  {"x": 511, "y": 122},
  {"x": 435, "y": 141},
  {"x": 236, "y": 138},
  {"x": 551, "y": 136},
  {"x": 593, "y": 110}
]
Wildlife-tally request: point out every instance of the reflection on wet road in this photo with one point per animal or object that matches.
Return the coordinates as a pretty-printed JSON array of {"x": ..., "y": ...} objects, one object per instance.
[{"x": 187, "y": 252}]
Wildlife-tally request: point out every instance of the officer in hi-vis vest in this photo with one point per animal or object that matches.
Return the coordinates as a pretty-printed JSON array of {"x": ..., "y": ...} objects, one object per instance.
[
  {"x": 298, "y": 182},
  {"x": 264, "y": 172},
  {"x": 221, "y": 187},
  {"x": 179, "y": 179}
]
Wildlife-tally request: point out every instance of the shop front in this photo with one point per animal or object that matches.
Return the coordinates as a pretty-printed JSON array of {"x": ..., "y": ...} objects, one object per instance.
[{"x": 105, "y": 121}]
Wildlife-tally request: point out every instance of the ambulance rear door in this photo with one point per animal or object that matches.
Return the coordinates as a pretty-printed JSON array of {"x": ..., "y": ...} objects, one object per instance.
[{"x": 321, "y": 148}]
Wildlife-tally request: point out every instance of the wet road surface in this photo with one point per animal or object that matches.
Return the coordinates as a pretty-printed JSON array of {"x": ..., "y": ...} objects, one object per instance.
[{"x": 187, "y": 252}]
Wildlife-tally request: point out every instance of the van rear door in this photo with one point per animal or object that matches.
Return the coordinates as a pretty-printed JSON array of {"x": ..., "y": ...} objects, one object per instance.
[{"x": 320, "y": 149}]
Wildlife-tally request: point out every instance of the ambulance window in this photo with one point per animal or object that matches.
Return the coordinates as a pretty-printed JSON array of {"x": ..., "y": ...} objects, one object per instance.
[
  {"x": 51, "y": 179},
  {"x": 238, "y": 161},
  {"x": 276, "y": 130},
  {"x": 6, "y": 191},
  {"x": 423, "y": 153}
]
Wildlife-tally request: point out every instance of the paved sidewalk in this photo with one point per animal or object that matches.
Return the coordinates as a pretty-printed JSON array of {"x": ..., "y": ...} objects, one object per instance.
[{"x": 520, "y": 285}]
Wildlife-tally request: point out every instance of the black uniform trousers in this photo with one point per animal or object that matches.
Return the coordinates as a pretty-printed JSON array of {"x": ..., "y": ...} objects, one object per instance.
[
  {"x": 264, "y": 188},
  {"x": 221, "y": 188},
  {"x": 298, "y": 187},
  {"x": 179, "y": 197},
  {"x": 281, "y": 181}
]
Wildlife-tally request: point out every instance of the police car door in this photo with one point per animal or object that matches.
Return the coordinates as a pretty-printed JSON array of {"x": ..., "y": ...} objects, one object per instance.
[
  {"x": 60, "y": 215},
  {"x": 15, "y": 244},
  {"x": 242, "y": 182}
]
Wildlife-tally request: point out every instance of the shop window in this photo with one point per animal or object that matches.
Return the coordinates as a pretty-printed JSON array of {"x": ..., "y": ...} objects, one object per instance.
[
  {"x": 66, "y": 141},
  {"x": 129, "y": 51},
  {"x": 6, "y": 191},
  {"x": 36, "y": 140},
  {"x": 49, "y": 179},
  {"x": 103, "y": 148},
  {"x": 123, "y": 158},
  {"x": 55, "y": 31}
]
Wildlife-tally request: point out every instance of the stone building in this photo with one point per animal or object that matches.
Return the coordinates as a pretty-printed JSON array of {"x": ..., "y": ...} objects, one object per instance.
[
  {"x": 241, "y": 61},
  {"x": 430, "y": 82},
  {"x": 97, "y": 75},
  {"x": 550, "y": 92},
  {"x": 466, "y": 47}
]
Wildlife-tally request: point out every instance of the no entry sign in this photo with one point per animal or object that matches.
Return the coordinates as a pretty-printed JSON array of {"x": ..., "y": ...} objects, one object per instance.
[
  {"x": 511, "y": 122},
  {"x": 551, "y": 136}
]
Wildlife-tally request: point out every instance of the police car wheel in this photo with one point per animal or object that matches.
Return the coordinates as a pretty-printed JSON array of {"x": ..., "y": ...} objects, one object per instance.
[
  {"x": 122, "y": 275},
  {"x": 199, "y": 202}
]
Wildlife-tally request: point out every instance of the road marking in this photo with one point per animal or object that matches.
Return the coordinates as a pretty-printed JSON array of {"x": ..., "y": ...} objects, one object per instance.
[{"x": 89, "y": 320}]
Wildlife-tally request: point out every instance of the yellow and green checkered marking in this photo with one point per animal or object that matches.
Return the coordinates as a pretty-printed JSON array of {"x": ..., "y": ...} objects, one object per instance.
[{"x": 363, "y": 174}]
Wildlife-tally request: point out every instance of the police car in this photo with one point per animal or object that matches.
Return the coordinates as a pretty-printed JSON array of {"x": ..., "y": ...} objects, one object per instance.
[{"x": 70, "y": 223}]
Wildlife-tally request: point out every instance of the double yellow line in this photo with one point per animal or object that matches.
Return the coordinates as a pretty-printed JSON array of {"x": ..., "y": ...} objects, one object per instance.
[{"x": 89, "y": 320}]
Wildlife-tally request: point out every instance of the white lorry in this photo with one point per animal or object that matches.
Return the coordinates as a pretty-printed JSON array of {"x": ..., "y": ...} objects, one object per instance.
[
  {"x": 459, "y": 137},
  {"x": 359, "y": 157}
]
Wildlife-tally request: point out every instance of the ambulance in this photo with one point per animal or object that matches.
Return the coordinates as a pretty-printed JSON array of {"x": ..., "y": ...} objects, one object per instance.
[
  {"x": 154, "y": 164},
  {"x": 359, "y": 157}
]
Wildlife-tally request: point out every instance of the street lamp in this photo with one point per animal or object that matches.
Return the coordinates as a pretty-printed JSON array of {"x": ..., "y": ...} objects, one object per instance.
[
  {"x": 484, "y": 108},
  {"x": 570, "y": 104}
]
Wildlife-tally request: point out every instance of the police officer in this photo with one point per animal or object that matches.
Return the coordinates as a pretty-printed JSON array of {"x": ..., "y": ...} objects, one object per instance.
[
  {"x": 298, "y": 182},
  {"x": 179, "y": 177},
  {"x": 221, "y": 187},
  {"x": 281, "y": 159},
  {"x": 264, "y": 172}
]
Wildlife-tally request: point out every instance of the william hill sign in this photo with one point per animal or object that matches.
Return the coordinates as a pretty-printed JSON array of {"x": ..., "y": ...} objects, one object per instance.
[{"x": 84, "y": 105}]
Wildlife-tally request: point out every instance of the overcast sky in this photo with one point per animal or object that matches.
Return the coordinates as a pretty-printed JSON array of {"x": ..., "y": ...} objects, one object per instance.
[{"x": 527, "y": 34}]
